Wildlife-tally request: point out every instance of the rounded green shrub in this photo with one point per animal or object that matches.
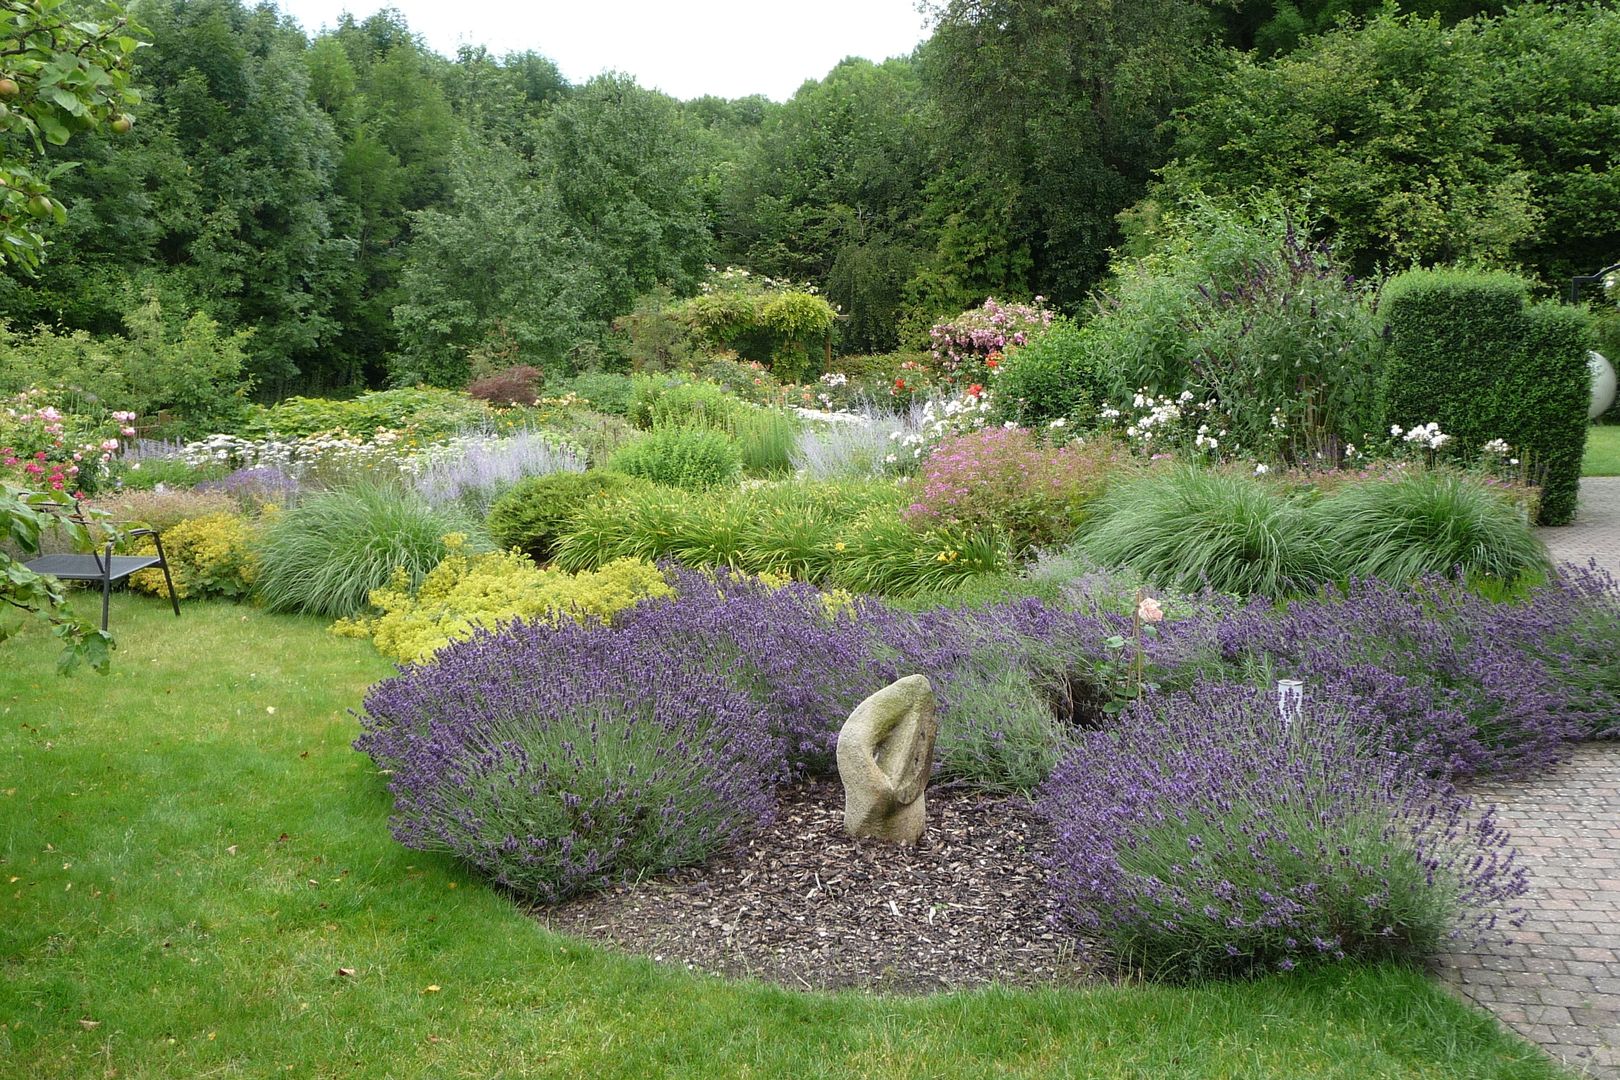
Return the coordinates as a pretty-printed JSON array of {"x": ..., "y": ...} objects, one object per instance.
[
  {"x": 1050, "y": 378},
  {"x": 1192, "y": 528},
  {"x": 1429, "y": 522},
  {"x": 534, "y": 514},
  {"x": 695, "y": 458},
  {"x": 663, "y": 400},
  {"x": 325, "y": 555}
]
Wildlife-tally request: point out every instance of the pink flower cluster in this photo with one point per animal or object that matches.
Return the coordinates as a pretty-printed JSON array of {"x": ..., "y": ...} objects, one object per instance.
[
  {"x": 1005, "y": 478},
  {"x": 970, "y": 347}
]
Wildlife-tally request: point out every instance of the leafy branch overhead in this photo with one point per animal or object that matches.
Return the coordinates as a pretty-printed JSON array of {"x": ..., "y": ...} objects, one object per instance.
[{"x": 58, "y": 76}]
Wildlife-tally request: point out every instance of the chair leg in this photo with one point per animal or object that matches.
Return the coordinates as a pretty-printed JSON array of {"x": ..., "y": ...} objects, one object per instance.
[
  {"x": 106, "y": 598},
  {"x": 163, "y": 561}
]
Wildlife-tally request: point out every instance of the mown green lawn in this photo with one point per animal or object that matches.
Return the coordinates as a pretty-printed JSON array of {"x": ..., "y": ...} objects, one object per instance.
[
  {"x": 1602, "y": 451},
  {"x": 191, "y": 855}
]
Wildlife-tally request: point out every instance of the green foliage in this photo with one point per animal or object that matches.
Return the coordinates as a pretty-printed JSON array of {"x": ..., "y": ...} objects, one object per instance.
[
  {"x": 60, "y": 75},
  {"x": 1189, "y": 529},
  {"x": 25, "y": 519},
  {"x": 761, "y": 319},
  {"x": 325, "y": 555},
  {"x": 192, "y": 371},
  {"x": 765, "y": 438},
  {"x": 534, "y": 514},
  {"x": 1243, "y": 309},
  {"x": 1050, "y": 122},
  {"x": 467, "y": 592},
  {"x": 686, "y": 457},
  {"x": 603, "y": 391},
  {"x": 1052, "y": 377},
  {"x": 846, "y": 534},
  {"x": 1428, "y": 521},
  {"x": 1014, "y": 737},
  {"x": 1389, "y": 130},
  {"x": 675, "y": 400},
  {"x": 424, "y": 410},
  {"x": 1469, "y": 354},
  {"x": 210, "y": 555}
]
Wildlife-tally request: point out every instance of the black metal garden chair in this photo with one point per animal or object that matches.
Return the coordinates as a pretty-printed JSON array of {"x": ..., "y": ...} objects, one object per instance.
[{"x": 105, "y": 566}]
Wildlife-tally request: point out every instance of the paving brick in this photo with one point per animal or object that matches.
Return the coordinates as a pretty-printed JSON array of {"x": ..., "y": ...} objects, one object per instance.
[{"x": 1557, "y": 981}]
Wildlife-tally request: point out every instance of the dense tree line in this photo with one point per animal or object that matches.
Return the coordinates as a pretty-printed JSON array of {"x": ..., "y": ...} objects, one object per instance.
[{"x": 374, "y": 211}]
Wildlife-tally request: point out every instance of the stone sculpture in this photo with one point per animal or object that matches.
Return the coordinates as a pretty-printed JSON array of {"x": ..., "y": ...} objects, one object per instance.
[{"x": 885, "y": 756}]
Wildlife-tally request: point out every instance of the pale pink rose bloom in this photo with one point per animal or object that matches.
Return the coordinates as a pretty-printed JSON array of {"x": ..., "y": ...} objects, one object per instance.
[{"x": 1149, "y": 610}]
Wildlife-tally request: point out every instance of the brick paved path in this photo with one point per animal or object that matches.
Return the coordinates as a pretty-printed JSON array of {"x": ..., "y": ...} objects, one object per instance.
[
  {"x": 1557, "y": 981},
  {"x": 1595, "y": 532}
]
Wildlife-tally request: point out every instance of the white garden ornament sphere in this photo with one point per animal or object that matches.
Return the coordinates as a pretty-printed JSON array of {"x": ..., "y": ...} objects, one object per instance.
[{"x": 1603, "y": 385}]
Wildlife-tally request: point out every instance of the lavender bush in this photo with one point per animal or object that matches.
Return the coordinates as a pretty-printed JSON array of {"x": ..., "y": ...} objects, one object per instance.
[
  {"x": 1465, "y": 684},
  {"x": 1207, "y": 836},
  {"x": 256, "y": 486},
  {"x": 557, "y": 759}
]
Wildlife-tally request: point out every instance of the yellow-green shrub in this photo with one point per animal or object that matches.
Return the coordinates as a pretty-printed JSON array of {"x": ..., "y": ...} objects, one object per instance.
[
  {"x": 468, "y": 591},
  {"x": 211, "y": 555}
]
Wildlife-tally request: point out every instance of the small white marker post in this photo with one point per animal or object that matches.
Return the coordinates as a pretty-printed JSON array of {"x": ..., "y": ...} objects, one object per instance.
[{"x": 1290, "y": 700}]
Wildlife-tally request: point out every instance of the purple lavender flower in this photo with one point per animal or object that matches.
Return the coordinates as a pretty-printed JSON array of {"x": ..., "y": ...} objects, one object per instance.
[{"x": 1316, "y": 839}]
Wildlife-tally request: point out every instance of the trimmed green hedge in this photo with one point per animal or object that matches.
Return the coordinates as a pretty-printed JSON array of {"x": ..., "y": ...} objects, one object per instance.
[{"x": 1469, "y": 352}]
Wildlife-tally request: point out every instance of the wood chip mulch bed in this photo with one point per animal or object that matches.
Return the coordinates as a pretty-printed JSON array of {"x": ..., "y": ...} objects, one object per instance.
[{"x": 806, "y": 906}]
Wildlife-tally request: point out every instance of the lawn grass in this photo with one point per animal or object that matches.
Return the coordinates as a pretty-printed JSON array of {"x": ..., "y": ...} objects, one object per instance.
[
  {"x": 1602, "y": 451},
  {"x": 184, "y": 872}
]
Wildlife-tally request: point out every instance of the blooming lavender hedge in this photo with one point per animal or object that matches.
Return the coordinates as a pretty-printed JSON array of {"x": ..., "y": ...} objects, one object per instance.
[
  {"x": 558, "y": 759},
  {"x": 1205, "y": 835}
]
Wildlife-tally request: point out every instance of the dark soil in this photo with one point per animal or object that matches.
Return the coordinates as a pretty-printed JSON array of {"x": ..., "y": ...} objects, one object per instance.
[{"x": 806, "y": 906}]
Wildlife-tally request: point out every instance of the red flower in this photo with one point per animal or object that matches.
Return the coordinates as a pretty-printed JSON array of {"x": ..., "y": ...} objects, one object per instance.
[{"x": 975, "y": 390}]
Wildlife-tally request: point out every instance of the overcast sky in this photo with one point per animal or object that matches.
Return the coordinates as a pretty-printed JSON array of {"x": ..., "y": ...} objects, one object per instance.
[{"x": 686, "y": 48}]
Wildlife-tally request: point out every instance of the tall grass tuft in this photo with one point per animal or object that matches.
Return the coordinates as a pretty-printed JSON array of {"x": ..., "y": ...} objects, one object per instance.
[
  {"x": 1192, "y": 528},
  {"x": 766, "y": 439},
  {"x": 325, "y": 555},
  {"x": 1428, "y": 522}
]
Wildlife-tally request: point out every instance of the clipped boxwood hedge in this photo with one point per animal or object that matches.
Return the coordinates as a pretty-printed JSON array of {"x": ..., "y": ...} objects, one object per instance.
[{"x": 1469, "y": 352}]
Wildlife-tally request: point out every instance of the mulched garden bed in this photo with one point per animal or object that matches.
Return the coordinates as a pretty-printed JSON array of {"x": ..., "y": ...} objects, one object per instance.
[{"x": 806, "y": 906}]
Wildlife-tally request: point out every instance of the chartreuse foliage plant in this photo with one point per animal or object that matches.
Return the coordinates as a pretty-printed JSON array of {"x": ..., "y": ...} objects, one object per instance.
[
  {"x": 210, "y": 769},
  {"x": 1469, "y": 352},
  {"x": 424, "y": 410},
  {"x": 465, "y": 592},
  {"x": 325, "y": 555},
  {"x": 212, "y": 555}
]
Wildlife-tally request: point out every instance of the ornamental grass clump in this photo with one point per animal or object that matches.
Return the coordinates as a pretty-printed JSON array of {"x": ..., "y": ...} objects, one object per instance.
[
  {"x": 325, "y": 555},
  {"x": 1005, "y": 478},
  {"x": 1193, "y": 529},
  {"x": 1206, "y": 835},
  {"x": 558, "y": 759},
  {"x": 1428, "y": 521},
  {"x": 471, "y": 473}
]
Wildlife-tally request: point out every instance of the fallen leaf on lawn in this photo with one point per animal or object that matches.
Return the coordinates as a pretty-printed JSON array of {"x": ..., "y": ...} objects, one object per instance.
[
  {"x": 231, "y": 850},
  {"x": 271, "y": 709},
  {"x": 89, "y": 1025},
  {"x": 11, "y": 791},
  {"x": 346, "y": 971},
  {"x": 211, "y": 1035},
  {"x": 313, "y": 883},
  {"x": 432, "y": 988}
]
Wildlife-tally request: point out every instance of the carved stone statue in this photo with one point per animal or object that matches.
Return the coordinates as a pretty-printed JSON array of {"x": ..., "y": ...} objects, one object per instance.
[{"x": 885, "y": 755}]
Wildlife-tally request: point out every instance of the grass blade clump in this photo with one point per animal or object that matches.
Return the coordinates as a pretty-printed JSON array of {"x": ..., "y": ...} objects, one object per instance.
[
  {"x": 685, "y": 457},
  {"x": 1206, "y": 836},
  {"x": 1191, "y": 529},
  {"x": 325, "y": 555},
  {"x": 1427, "y": 522}
]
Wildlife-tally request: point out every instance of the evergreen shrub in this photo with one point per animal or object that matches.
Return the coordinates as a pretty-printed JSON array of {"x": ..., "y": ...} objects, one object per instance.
[{"x": 1470, "y": 353}]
